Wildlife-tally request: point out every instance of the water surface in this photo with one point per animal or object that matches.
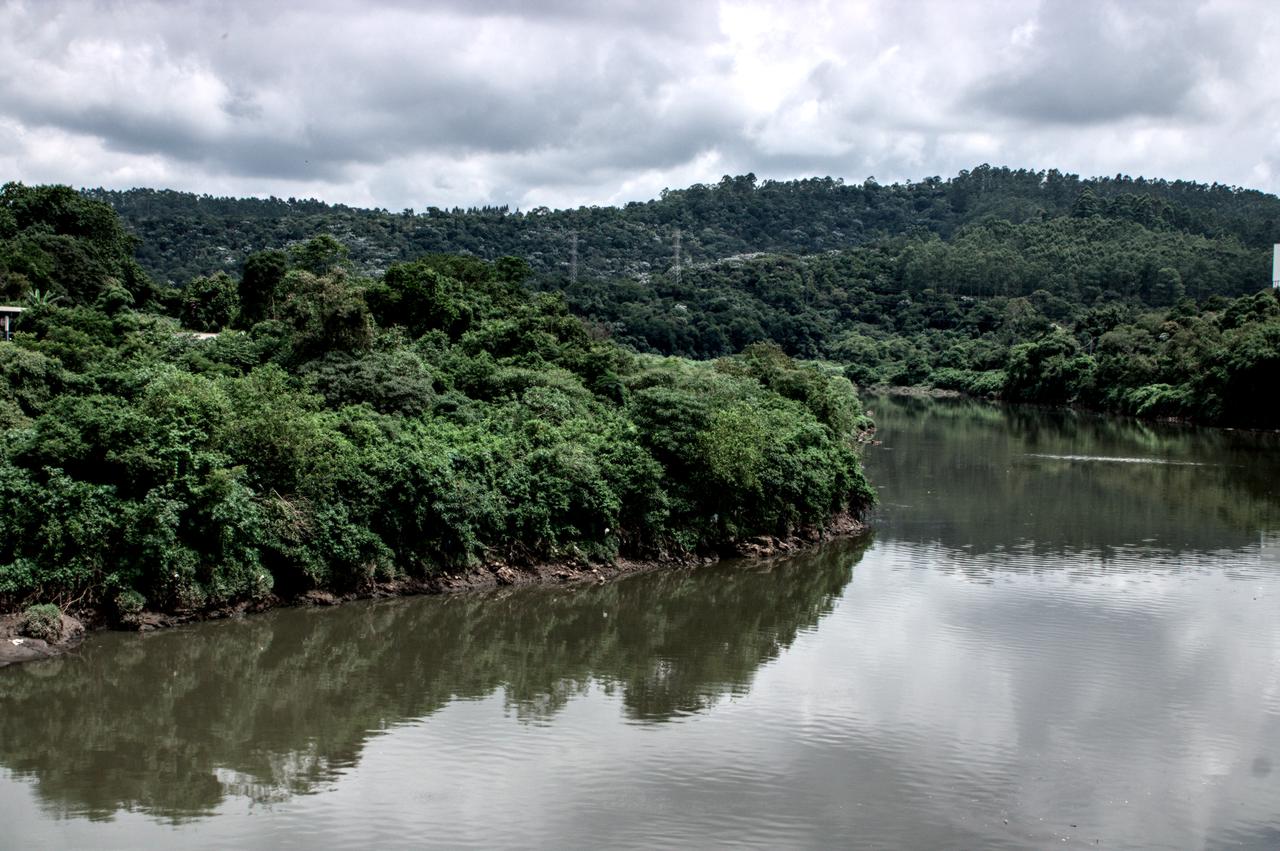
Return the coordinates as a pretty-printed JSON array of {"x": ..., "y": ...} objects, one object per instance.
[{"x": 1062, "y": 631}]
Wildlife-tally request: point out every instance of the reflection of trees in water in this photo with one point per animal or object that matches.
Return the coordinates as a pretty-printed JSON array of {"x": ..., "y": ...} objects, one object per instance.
[
  {"x": 965, "y": 474},
  {"x": 274, "y": 705}
]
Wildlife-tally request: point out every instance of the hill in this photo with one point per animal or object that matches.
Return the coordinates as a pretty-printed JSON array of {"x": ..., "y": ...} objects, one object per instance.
[
  {"x": 1133, "y": 295},
  {"x": 185, "y": 235}
]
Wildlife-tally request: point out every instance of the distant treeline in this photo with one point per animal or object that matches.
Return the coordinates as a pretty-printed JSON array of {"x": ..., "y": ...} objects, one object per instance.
[
  {"x": 1126, "y": 294},
  {"x": 1074, "y": 310},
  {"x": 185, "y": 235}
]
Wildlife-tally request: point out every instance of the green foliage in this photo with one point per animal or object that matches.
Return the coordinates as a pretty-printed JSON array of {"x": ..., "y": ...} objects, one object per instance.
[
  {"x": 742, "y": 458},
  {"x": 417, "y": 297},
  {"x": 319, "y": 255},
  {"x": 186, "y": 235},
  {"x": 43, "y": 621},
  {"x": 259, "y": 282},
  {"x": 30, "y": 379},
  {"x": 392, "y": 412},
  {"x": 327, "y": 312},
  {"x": 1048, "y": 369},
  {"x": 61, "y": 243},
  {"x": 971, "y": 283},
  {"x": 392, "y": 381},
  {"x": 129, "y": 604},
  {"x": 210, "y": 303},
  {"x": 359, "y": 430}
]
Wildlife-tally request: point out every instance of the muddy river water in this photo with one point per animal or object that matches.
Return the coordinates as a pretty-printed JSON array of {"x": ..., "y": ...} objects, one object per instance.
[{"x": 1063, "y": 631}]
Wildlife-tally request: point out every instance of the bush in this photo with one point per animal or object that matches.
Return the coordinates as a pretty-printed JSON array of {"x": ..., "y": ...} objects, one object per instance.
[
  {"x": 130, "y": 602},
  {"x": 43, "y": 621}
]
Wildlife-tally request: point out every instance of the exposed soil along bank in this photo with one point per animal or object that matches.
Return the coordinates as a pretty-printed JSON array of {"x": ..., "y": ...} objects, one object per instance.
[
  {"x": 17, "y": 648},
  {"x": 931, "y": 392}
]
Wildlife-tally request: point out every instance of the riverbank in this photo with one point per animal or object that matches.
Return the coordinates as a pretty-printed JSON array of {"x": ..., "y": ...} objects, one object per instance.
[
  {"x": 16, "y": 648},
  {"x": 914, "y": 391},
  {"x": 926, "y": 392}
]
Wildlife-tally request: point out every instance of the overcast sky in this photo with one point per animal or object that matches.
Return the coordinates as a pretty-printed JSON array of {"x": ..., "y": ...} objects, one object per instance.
[{"x": 400, "y": 104}]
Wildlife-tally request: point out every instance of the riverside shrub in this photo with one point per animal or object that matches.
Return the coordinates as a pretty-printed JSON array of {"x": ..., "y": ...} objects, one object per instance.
[{"x": 43, "y": 621}]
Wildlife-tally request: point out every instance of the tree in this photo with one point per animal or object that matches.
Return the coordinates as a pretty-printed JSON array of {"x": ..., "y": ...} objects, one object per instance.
[
  {"x": 421, "y": 299},
  {"x": 211, "y": 303},
  {"x": 320, "y": 255},
  {"x": 328, "y": 314},
  {"x": 259, "y": 282},
  {"x": 56, "y": 240},
  {"x": 1168, "y": 288}
]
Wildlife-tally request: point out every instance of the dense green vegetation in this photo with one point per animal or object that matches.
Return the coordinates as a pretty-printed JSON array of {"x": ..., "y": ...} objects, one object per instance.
[
  {"x": 391, "y": 394},
  {"x": 345, "y": 429},
  {"x": 1131, "y": 295},
  {"x": 1140, "y": 346},
  {"x": 42, "y": 621},
  {"x": 185, "y": 235}
]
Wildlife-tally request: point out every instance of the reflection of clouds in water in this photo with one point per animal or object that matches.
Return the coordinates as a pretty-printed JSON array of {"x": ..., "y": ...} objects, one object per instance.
[
  {"x": 927, "y": 710},
  {"x": 1131, "y": 708},
  {"x": 1117, "y": 567},
  {"x": 282, "y": 705},
  {"x": 1114, "y": 459}
]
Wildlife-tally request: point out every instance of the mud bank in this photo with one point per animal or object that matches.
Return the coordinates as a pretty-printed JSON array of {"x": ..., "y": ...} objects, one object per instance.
[
  {"x": 913, "y": 391},
  {"x": 15, "y": 648}
]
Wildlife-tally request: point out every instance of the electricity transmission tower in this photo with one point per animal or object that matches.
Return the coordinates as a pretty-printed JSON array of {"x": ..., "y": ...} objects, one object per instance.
[
  {"x": 677, "y": 267},
  {"x": 573, "y": 257}
]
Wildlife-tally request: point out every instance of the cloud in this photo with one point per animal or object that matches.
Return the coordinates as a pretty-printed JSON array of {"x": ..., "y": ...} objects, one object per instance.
[
  {"x": 1100, "y": 62},
  {"x": 398, "y": 103}
]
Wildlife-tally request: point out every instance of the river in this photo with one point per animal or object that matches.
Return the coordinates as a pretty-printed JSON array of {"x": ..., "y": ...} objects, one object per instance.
[{"x": 1062, "y": 632}]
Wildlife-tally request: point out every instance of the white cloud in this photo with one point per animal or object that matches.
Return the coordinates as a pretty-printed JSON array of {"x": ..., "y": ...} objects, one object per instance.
[{"x": 398, "y": 104}]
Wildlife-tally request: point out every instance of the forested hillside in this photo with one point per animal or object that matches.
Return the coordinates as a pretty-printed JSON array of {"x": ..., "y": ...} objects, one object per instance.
[
  {"x": 343, "y": 430},
  {"x": 1132, "y": 295},
  {"x": 185, "y": 235},
  {"x": 1073, "y": 310}
]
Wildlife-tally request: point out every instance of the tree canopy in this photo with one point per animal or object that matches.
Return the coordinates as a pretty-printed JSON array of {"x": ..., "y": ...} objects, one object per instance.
[{"x": 341, "y": 430}]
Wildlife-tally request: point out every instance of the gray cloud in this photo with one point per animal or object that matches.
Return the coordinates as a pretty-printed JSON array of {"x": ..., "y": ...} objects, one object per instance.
[
  {"x": 1084, "y": 63},
  {"x": 398, "y": 103}
]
